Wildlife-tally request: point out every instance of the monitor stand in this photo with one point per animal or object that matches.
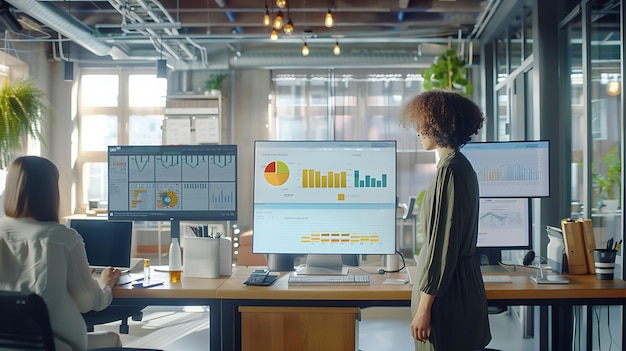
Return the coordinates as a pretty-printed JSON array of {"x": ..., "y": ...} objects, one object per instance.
[
  {"x": 280, "y": 262},
  {"x": 323, "y": 265}
]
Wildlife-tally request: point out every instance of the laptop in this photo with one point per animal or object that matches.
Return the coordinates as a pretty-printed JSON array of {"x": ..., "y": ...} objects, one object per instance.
[{"x": 107, "y": 244}]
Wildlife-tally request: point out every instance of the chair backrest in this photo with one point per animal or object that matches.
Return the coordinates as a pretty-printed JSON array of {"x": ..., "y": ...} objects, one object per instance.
[{"x": 24, "y": 322}]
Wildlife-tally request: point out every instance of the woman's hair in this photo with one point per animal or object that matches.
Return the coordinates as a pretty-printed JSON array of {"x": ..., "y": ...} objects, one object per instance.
[
  {"x": 32, "y": 189},
  {"x": 445, "y": 116}
]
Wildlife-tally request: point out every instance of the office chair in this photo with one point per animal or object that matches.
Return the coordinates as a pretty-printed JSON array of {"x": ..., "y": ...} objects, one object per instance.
[
  {"x": 25, "y": 324},
  {"x": 114, "y": 313}
]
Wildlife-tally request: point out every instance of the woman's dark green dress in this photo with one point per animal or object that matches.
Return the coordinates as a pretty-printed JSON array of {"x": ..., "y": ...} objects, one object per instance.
[{"x": 446, "y": 266}]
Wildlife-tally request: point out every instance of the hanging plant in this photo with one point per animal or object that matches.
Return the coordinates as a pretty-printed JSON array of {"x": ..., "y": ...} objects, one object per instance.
[
  {"x": 448, "y": 71},
  {"x": 22, "y": 106}
]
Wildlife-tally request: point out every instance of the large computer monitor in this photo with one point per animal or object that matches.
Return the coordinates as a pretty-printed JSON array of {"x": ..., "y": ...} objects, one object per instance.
[
  {"x": 511, "y": 168},
  {"x": 323, "y": 199},
  {"x": 172, "y": 182}
]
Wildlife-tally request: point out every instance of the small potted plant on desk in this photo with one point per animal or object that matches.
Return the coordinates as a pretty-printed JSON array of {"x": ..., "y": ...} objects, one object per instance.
[
  {"x": 609, "y": 183},
  {"x": 213, "y": 85}
]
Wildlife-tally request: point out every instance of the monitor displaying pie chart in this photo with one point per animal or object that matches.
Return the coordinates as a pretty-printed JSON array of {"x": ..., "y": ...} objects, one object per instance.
[{"x": 276, "y": 173}]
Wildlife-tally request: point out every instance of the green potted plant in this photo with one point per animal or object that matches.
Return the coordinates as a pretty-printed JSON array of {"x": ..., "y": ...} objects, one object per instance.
[
  {"x": 448, "y": 71},
  {"x": 609, "y": 183},
  {"x": 214, "y": 84},
  {"x": 22, "y": 107}
]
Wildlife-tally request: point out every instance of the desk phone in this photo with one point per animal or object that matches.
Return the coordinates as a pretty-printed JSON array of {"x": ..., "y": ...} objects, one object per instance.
[{"x": 261, "y": 277}]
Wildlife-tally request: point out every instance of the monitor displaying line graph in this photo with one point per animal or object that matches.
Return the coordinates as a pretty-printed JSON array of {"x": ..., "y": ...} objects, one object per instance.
[
  {"x": 186, "y": 182},
  {"x": 504, "y": 223},
  {"x": 511, "y": 168}
]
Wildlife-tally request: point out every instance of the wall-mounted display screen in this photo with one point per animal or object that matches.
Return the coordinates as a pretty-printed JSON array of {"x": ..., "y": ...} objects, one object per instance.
[{"x": 172, "y": 182}]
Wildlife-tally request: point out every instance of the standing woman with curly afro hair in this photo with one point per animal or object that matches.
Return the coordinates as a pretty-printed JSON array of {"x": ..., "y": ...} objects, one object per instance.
[{"x": 448, "y": 303}]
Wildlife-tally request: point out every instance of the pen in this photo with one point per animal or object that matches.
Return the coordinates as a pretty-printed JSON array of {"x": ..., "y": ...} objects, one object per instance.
[
  {"x": 618, "y": 245},
  {"x": 609, "y": 244}
]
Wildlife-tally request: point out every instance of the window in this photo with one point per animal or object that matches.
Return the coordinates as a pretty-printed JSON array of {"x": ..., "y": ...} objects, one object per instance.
[
  {"x": 116, "y": 107},
  {"x": 354, "y": 105}
]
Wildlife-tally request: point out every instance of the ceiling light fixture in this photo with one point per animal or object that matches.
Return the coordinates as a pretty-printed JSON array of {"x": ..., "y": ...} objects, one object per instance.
[
  {"x": 613, "y": 88},
  {"x": 289, "y": 26},
  {"x": 337, "y": 49},
  {"x": 278, "y": 21},
  {"x": 274, "y": 35},
  {"x": 161, "y": 67},
  {"x": 281, "y": 3},
  {"x": 161, "y": 64},
  {"x": 306, "y": 34},
  {"x": 68, "y": 66},
  {"x": 267, "y": 20},
  {"x": 328, "y": 20}
]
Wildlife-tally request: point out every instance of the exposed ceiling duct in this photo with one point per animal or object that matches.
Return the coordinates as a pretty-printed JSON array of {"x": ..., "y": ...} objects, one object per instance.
[
  {"x": 71, "y": 29},
  {"x": 296, "y": 60}
]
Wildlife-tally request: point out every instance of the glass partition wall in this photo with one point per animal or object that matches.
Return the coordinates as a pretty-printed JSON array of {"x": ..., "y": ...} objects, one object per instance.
[
  {"x": 594, "y": 101},
  {"x": 354, "y": 105},
  {"x": 595, "y": 61}
]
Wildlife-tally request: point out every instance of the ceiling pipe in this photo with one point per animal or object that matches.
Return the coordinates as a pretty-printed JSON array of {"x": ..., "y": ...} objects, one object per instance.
[
  {"x": 71, "y": 29},
  {"x": 160, "y": 17},
  {"x": 295, "y": 60},
  {"x": 229, "y": 14}
]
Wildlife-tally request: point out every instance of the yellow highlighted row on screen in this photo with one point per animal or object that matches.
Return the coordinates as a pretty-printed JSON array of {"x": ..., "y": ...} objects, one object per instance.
[{"x": 339, "y": 238}]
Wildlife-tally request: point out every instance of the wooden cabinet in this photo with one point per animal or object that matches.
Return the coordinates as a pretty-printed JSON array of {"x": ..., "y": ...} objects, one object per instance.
[{"x": 298, "y": 328}]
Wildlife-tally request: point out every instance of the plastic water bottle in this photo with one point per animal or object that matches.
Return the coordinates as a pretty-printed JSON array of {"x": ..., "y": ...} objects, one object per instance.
[
  {"x": 146, "y": 270},
  {"x": 175, "y": 266}
]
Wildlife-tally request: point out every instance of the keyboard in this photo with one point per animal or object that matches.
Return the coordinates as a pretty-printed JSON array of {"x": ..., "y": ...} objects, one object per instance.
[
  {"x": 312, "y": 280},
  {"x": 498, "y": 278}
]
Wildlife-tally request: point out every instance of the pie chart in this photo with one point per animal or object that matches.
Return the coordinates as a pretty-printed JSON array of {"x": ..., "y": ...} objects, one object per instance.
[{"x": 276, "y": 173}]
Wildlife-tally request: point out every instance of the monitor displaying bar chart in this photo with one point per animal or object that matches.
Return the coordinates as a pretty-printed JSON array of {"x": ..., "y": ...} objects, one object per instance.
[
  {"x": 511, "y": 168},
  {"x": 324, "y": 197}
]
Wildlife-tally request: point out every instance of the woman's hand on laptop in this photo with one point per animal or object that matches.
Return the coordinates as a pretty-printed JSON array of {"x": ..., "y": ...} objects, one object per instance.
[{"x": 109, "y": 276}]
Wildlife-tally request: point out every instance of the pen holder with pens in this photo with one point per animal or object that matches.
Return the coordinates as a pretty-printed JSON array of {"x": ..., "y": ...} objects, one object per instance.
[
  {"x": 604, "y": 263},
  {"x": 201, "y": 257}
]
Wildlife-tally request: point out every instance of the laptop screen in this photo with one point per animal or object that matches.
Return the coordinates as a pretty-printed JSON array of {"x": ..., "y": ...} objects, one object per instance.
[{"x": 106, "y": 243}]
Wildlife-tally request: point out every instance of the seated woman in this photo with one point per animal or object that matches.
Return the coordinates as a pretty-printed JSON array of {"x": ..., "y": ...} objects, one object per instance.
[{"x": 40, "y": 255}]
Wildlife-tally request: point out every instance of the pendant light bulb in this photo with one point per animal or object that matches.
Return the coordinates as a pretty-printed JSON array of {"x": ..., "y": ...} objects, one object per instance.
[
  {"x": 337, "y": 49},
  {"x": 281, "y": 3},
  {"x": 289, "y": 27},
  {"x": 278, "y": 21},
  {"x": 328, "y": 21},
  {"x": 613, "y": 88},
  {"x": 305, "y": 50},
  {"x": 274, "y": 35},
  {"x": 267, "y": 20}
]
